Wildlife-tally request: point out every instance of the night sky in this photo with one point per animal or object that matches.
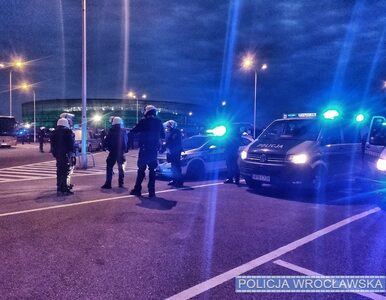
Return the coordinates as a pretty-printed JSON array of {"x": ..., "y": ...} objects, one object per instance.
[{"x": 317, "y": 52}]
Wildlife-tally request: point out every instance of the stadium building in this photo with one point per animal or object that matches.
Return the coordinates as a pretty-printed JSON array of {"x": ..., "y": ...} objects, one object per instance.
[{"x": 48, "y": 111}]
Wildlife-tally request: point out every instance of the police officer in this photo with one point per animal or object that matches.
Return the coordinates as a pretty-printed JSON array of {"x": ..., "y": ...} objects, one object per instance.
[
  {"x": 62, "y": 144},
  {"x": 173, "y": 147},
  {"x": 41, "y": 138},
  {"x": 116, "y": 143},
  {"x": 232, "y": 144},
  {"x": 150, "y": 131}
]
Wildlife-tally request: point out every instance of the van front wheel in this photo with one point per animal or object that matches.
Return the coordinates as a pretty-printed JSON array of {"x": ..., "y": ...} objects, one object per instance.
[{"x": 318, "y": 180}]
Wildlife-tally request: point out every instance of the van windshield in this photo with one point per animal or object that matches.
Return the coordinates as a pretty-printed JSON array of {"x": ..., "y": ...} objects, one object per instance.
[{"x": 293, "y": 129}]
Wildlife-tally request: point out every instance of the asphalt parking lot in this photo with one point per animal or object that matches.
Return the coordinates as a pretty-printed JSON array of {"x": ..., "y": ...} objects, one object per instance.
[{"x": 186, "y": 243}]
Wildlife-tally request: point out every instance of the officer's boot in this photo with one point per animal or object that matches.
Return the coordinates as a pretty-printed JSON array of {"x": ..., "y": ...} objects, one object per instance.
[
  {"x": 138, "y": 182},
  {"x": 120, "y": 182},
  {"x": 151, "y": 183},
  {"x": 107, "y": 185}
]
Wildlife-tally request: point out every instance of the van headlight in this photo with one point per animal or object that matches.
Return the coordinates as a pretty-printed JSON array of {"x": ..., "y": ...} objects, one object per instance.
[
  {"x": 298, "y": 158},
  {"x": 243, "y": 154},
  {"x": 381, "y": 164}
]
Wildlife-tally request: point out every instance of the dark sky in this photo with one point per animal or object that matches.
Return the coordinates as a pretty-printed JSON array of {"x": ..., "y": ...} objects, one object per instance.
[{"x": 190, "y": 51}]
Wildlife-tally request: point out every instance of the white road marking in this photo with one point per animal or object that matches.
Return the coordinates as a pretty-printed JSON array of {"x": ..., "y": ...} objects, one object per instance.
[
  {"x": 54, "y": 176},
  {"x": 44, "y": 170},
  {"x": 95, "y": 201},
  {"x": 44, "y": 162},
  {"x": 219, "y": 279},
  {"x": 308, "y": 272},
  {"x": 12, "y": 176},
  {"x": 16, "y": 173}
]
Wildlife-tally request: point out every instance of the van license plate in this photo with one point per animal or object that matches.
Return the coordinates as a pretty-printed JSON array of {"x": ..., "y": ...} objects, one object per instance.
[{"x": 264, "y": 178}]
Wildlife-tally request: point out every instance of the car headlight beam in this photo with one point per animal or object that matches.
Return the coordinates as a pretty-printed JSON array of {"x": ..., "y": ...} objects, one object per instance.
[
  {"x": 243, "y": 154},
  {"x": 381, "y": 164}
]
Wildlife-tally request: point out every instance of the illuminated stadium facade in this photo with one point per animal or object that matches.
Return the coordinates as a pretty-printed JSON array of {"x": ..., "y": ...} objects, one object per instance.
[{"x": 48, "y": 111}]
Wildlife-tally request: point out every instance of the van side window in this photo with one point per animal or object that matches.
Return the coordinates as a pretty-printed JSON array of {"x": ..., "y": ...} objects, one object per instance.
[
  {"x": 332, "y": 135},
  {"x": 351, "y": 134}
]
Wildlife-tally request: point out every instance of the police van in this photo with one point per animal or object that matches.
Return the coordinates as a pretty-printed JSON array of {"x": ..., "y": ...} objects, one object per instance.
[
  {"x": 306, "y": 150},
  {"x": 374, "y": 158}
]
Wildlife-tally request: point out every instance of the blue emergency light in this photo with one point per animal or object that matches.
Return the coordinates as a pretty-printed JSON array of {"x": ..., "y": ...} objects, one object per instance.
[
  {"x": 360, "y": 117},
  {"x": 331, "y": 114},
  {"x": 218, "y": 131}
]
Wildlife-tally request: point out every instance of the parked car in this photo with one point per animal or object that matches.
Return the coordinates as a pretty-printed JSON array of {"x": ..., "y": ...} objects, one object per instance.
[
  {"x": 93, "y": 142},
  {"x": 202, "y": 154}
]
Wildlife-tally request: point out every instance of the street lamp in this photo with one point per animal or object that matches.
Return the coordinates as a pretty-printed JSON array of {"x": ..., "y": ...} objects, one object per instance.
[
  {"x": 16, "y": 64},
  {"x": 26, "y": 86},
  {"x": 132, "y": 95},
  {"x": 97, "y": 118},
  {"x": 248, "y": 63}
]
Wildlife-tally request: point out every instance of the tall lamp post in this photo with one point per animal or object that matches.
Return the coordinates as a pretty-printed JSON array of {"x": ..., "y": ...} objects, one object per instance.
[
  {"x": 249, "y": 64},
  {"x": 17, "y": 64},
  {"x": 26, "y": 86},
  {"x": 84, "y": 85}
]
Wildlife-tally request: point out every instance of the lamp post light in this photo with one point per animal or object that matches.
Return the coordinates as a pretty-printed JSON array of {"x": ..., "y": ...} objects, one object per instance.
[
  {"x": 133, "y": 95},
  {"x": 144, "y": 97},
  {"x": 186, "y": 117},
  {"x": 248, "y": 63},
  {"x": 26, "y": 86},
  {"x": 97, "y": 118}
]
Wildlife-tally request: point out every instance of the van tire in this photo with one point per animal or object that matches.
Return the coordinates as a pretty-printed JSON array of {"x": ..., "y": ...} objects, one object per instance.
[
  {"x": 253, "y": 184},
  {"x": 318, "y": 180},
  {"x": 196, "y": 170}
]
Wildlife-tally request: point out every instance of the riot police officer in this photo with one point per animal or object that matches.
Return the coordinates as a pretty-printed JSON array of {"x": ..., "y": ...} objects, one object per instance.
[
  {"x": 173, "y": 147},
  {"x": 232, "y": 144},
  {"x": 150, "y": 131},
  {"x": 41, "y": 138},
  {"x": 116, "y": 143},
  {"x": 62, "y": 143}
]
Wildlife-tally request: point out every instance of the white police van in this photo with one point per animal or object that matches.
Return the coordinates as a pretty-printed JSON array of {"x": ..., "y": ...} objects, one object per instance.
[
  {"x": 306, "y": 150},
  {"x": 374, "y": 158},
  {"x": 202, "y": 154}
]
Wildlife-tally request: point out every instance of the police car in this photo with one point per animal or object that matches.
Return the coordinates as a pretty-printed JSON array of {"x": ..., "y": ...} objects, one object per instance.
[
  {"x": 374, "y": 159},
  {"x": 202, "y": 154},
  {"x": 306, "y": 150}
]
